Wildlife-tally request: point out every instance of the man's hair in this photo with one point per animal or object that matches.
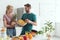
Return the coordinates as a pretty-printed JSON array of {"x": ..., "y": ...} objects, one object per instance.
[
  {"x": 28, "y": 5},
  {"x": 34, "y": 31}
]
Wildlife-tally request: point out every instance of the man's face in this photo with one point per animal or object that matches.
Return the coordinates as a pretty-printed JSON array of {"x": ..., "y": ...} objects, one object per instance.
[{"x": 27, "y": 9}]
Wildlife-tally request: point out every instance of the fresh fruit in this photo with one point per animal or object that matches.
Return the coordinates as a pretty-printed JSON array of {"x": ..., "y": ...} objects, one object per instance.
[
  {"x": 15, "y": 38},
  {"x": 26, "y": 34},
  {"x": 21, "y": 38},
  {"x": 25, "y": 37},
  {"x": 30, "y": 36},
  {"x": 21, "y": 22}
]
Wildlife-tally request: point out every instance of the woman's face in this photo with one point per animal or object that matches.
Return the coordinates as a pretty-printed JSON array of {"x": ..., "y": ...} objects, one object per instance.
[{"x": 10, "y": 10}]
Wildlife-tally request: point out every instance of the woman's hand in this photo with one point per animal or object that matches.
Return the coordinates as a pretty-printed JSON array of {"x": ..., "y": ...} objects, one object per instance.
[{"x": 13, "y": 23}]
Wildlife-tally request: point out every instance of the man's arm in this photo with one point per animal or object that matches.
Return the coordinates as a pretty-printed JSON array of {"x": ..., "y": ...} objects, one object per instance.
[{"x": 33, "y": 22}]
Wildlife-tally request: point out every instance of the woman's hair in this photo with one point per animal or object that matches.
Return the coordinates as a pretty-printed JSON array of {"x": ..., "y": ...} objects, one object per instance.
[{"x": 8, "y": 7}]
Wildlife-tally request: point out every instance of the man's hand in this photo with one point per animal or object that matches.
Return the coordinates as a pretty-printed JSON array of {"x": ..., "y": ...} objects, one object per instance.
[{"x": 28, "y": 21}]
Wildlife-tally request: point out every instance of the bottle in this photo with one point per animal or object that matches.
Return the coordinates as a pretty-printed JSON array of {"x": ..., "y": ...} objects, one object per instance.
[{"x": 3, "y": 31}]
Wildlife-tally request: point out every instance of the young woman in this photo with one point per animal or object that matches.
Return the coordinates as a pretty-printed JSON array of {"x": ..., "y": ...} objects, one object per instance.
[{"x": 7, "y": 18}]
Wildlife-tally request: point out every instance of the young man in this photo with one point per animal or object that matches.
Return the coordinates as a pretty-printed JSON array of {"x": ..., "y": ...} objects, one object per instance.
[{"x": 28, "y": 17}]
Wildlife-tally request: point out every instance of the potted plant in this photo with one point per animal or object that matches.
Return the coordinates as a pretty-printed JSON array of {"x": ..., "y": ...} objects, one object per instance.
[{"x": 47, "y": 29}]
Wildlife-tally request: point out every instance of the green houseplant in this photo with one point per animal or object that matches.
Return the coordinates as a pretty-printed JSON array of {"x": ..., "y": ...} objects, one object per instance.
[{"x": 47, "y": 29}]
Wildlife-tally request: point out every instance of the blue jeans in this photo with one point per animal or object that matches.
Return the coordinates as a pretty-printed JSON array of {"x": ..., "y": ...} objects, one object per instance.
[{"x": 11, "y": 32}]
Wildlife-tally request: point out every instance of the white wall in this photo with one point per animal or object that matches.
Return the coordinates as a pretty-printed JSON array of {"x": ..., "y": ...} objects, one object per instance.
[
  {"x": 57, "y": 11},
  {"x": 46, "y": 11},
  {"x": 57, "y": 18}
]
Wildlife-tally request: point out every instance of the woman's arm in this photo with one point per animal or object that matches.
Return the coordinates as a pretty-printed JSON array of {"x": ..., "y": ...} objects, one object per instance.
[{"x": 5, "y": 23}]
